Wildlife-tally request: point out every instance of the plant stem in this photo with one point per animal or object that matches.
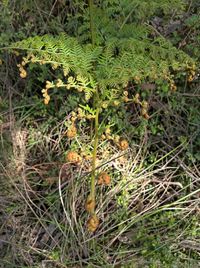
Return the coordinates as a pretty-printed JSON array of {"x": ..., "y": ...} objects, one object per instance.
[
  {"x": 96, "y": 123},
  {"x": 92, "y": 30},
  {"x": 92, "y": 33},
  {"x": 93, "y": 174}
]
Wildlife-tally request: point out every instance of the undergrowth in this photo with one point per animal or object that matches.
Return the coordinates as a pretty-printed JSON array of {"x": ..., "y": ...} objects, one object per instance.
[
  {"x": 147, "y": 162},
  {"x": 149, "y": 213}
]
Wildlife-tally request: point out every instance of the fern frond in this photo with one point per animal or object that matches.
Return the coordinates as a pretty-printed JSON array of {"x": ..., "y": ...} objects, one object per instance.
[
  {"x": 61, "y": 50},
  {"x": 115, "y": 63}
]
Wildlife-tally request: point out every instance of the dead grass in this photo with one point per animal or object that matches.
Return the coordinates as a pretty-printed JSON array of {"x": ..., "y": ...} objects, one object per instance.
[{"x": 45, "y": 220}]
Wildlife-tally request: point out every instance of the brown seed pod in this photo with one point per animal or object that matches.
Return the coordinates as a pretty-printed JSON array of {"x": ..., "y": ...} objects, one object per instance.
[
  {"x": 190, "y": 78},
  {"x": 104, "y": 179},
  {"x": 93, "y": 223},
  {"x": 173, "y": 87},
  {"x": 72, "y": 131},
  {"x": 123, "y": 144},
  {"x": 90, "y": 204},
  {"x": 23, "y": 73},
  {"x": 73, "y": 157},
  {"x": 144, "y": 113},
  {"x": 146, "y": 116}
]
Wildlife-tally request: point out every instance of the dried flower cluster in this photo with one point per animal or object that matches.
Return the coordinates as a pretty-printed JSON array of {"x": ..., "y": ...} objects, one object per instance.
[
  {"x": 93, "y": 223},
  {"x": 191, "y": 73},
  {"x": 71, "y": 132},
  {"x": 23, "y": 73},
  {"x": 73, "y": 157},
  {"x": 143, "y": 104},
  {"x": 90, "y": 205},
  {"x": 123, "y": 144},
  {"x": 104, "y": 179},
  {"x": 45, "y": 92}
]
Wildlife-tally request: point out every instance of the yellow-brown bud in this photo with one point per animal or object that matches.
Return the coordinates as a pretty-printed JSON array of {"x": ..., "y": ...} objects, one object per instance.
[
  {"x": 93, "y": 223},
  {"x": 72, "y": 131},
  {"x": 104, "y": 179},
  {"x": 73, "y": 157},
  {"x": 123, "y": 144},
  {"x": 90, "y": 205}
]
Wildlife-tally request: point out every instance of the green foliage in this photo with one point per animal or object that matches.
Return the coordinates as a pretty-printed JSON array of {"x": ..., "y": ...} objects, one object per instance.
[
  {"x": 125, "y": 52},
  {"x": 116, "y": 63},
  {"x": 124, "y": 19}
]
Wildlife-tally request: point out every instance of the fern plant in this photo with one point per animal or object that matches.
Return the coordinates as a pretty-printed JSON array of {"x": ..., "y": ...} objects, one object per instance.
[{"x": 112, "y": 48}]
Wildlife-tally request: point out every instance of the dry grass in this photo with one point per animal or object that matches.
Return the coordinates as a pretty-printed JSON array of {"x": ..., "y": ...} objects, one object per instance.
[{"x": 46, "y": 214}]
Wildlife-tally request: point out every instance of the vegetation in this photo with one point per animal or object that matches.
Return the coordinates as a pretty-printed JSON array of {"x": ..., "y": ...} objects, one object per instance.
[{"x": 104, "y": 171}]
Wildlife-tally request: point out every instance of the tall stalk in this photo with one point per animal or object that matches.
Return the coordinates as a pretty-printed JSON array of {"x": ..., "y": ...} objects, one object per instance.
[
  {"x": 93, "y": 174},
  {"x": 92, "y": 29},
  {"x": 96, "y": 123}
]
